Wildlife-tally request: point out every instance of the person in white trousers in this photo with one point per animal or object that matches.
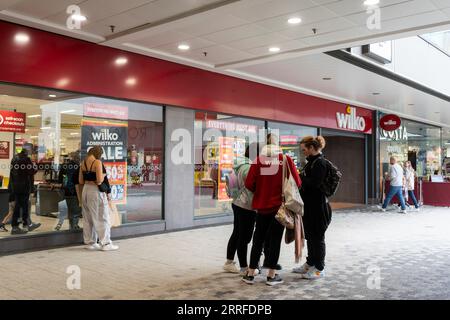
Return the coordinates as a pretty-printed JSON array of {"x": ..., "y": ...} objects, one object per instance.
[{"x": 96, "y": 223}]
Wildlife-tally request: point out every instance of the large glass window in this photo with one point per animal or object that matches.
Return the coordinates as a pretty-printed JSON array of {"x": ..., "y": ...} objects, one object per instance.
[
  {"x": 417, "y": 142},
  {"x": 60, "y": 128},
  {"x": 290, "y": 136},
  {"x": 219, "y": 140}
]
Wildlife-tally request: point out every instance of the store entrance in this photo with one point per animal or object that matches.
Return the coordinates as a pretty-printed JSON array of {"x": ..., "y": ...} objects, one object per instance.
[{"x": 347, "y": 152}]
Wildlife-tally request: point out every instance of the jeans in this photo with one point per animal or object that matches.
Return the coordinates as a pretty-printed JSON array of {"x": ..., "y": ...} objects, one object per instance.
[
  {"x": 244, "y": 224},
  {"x": 73, "y": 211},
  {"x": 316, "y": 251},
  {"x": 393, "y": 190},
  {"x": 413, "y": 197},
  {"x": 268, "y": 230},
  {"x": 21, "y": 203}
]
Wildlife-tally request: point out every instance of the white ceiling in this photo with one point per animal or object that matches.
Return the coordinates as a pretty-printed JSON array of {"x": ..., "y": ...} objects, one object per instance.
[{"x": 236, "y": 35}]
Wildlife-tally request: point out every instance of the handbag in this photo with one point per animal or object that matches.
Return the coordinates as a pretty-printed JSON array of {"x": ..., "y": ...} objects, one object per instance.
[
  {"x": 290, "y": 193},
  {"x": 290, "y": 199}
]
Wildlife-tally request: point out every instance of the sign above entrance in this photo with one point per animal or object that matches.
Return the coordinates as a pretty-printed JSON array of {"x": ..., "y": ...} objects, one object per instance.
[
  {"x": 11, "y": 121},
  {"x": 350, "y": 120},
  {"x": 390, "y": 122},
  {"x": 97, "y": 110}
]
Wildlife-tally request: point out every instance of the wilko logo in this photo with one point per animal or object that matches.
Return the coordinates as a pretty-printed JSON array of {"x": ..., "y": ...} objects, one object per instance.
[
  {"x": 390, "y": 122},
  {"x": 350, "y": 120}
]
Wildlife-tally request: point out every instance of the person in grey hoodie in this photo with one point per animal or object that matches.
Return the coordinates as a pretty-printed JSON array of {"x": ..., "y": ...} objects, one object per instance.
[{"x": 244, "y": 216}]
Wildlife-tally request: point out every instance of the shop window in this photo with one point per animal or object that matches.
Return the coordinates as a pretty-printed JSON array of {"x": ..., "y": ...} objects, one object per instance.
[
  {"x": 59, "y": 129},
  {"x": 290, "y": 137},
  {"x": 219, "y": 141}
]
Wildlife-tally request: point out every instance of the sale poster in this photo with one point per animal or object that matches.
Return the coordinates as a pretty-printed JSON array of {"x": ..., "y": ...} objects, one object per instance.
[
  {"x": 4, "y": 149},
  {"x": 112, "y": 137}
]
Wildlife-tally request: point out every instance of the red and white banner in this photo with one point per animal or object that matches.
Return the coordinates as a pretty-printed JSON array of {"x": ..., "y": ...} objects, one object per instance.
[
  {"x": 11, "y": 121},
  {"x": 97, "y": 110}
]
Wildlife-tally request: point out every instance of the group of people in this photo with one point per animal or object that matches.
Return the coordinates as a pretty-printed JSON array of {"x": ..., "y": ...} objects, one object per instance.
[
  {"x": 256, "y": 201},
  {"x": 86, "y": 190},
  {"x": 401, "y": 179}
]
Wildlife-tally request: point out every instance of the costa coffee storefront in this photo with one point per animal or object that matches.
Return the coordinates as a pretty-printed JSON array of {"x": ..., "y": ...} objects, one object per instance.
[{"x": 169, "y": 131}]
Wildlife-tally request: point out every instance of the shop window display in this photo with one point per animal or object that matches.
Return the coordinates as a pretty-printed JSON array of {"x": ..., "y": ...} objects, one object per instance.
[
  {"x": 219, "y": 140},
  {"x": 57, "y": 133}
]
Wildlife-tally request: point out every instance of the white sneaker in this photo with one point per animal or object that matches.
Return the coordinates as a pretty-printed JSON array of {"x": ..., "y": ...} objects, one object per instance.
[
  {"x": 231, "y": 267},
  {"x": 313, "y": 274},
  {"x": 302, "y": 269},
  {"x": 381, "y": 208},
  {"x": 417, "y": 209},
  {"x": 243, "y": 272},
  {"x": 110, "y": 247},
  {"x": 93, "y": 247},
  {"x": 402, "y": 211}
]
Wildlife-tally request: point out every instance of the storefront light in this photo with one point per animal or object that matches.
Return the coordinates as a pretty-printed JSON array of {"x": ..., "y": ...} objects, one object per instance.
[{"x": 121, "y": 61}]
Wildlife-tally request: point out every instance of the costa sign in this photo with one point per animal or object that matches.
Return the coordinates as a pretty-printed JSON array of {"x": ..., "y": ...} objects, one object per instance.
[
  {"x": 11, "y": 121},
  {"x": 390, "y": 122}
]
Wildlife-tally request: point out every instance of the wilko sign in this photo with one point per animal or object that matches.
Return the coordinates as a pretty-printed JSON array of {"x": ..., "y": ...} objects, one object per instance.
[
  {"x": 350, "y": 120},
  {"x": 97, "y": 110},
  {"x": 390, "y": 122},
  {"x": 11, "y": 121}
]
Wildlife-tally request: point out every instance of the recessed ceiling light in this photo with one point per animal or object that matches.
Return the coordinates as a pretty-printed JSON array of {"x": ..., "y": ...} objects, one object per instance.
[
  {"x": 34, "y": 116},
  {"x": 274, "y": 49},
  {"x": 121, "y": 61},
  {"x": 294, "y": 20},
  {"x": 326, "y": 79},
  {"x": 437, "y": 112},
  {"x": 78, "y": 17},
  {"x": 411, "y": 104},
  {"x": 45, "y": 128},
  {"x": 52, "y": 95},
  {"x": 74, "y": 133},
  {"x": 130, "y": 81},
  {"x": 184, "y": 47},
  {"x": 371, "y": 2},
  {"x": 22, "y": 38},
  {"x": 376, "y": 93}
]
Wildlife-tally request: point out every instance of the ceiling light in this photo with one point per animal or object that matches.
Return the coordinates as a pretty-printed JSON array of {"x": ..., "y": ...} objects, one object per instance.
[
  {"x": 121, "y": 61},
  {"x": 74, "y": 133},
  {"x": 294, "y": 20},
  {"x": 78, "y": 17},
  {"x": 371, "y": 2},
  {"x": 68, "y": 111},
  {"x": 326, "y": 79},
  {"x": 184, "y": 47},
  {"x": 410, "y": 104},
  {"x": 376, "y": 93},
  {"x": 130, "y": 81},
  {"x": 22, "y": 38},
  {"x": 52, "y": 95},
  {"x": 45, "y": 128},
  {"x": 274, "y": 49},
  {"x": 34, "y": 137},
  {"x": 34, "y": 116}
]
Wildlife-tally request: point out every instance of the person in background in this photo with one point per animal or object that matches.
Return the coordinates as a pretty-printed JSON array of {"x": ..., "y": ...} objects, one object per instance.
[
  {"x": 68, "y": 179},
  {"x": 244, "y": 215},
  {"x": 22, "y": 184},
  {"x": 95, "y": 197},
  {"x": 317, "y": 211},
  {"x": 11, "y": 205},
  {"x": 410, "y": 179},
  {"x": 396, "y": 185},
  {"x": 265, "y": 181}
]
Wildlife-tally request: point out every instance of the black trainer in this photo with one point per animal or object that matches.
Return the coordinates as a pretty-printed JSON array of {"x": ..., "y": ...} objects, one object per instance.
[
  {"x": 274, "y": 281},
  {"x": 248, "y": 279},
  {"x": 17, "y": 230},
  {"x": 3, "y": 228},
  {"x": 33, "y": 226}
]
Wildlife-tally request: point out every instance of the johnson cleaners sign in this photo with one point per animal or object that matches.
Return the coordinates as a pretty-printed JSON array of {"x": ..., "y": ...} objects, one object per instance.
[{"x": 350, "y": 120}]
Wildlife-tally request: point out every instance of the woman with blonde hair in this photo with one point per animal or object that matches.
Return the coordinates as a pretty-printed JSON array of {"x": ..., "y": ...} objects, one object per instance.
[
  {"x": 410, "y": 179},
  {"x": 95, "y": 197}
]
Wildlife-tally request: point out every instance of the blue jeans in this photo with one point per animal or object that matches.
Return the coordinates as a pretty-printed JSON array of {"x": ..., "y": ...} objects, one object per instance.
[
  {"x": 392, "y": 192},
  {"x": 413, "y": 197}
]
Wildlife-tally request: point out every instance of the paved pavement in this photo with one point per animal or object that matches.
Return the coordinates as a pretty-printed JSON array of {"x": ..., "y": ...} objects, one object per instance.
[{"x": 370, "y": 255}]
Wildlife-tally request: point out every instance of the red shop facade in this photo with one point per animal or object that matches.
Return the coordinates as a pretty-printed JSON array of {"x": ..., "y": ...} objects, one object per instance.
[{"x": 177, "y": 96}]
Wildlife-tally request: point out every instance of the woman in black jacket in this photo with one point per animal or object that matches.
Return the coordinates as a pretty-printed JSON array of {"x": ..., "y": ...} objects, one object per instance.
[{"x": 317, "y": 210}]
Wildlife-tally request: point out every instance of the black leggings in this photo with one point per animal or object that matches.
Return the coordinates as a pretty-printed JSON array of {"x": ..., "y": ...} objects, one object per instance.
[
  {"x": 268, "y": 230},
  {"x": 316, "y": 251},
  {"x": 244, "y": 224}
]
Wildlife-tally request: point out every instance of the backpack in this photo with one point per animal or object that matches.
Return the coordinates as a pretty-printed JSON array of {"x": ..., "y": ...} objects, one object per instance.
[
  {"x": 332, "y": 179},
  {"x": 232, "y": 186}
]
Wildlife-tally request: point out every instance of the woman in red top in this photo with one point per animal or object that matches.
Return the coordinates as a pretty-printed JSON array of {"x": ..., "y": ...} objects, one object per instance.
[{"x": 265, "y": 181}]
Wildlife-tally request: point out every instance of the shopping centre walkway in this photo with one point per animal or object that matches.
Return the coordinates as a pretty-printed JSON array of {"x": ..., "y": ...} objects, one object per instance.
[{"x": 411, "y": 253}]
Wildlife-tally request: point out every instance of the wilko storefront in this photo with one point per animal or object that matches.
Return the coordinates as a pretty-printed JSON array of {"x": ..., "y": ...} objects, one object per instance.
[{"x": 169, "y": 137}]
